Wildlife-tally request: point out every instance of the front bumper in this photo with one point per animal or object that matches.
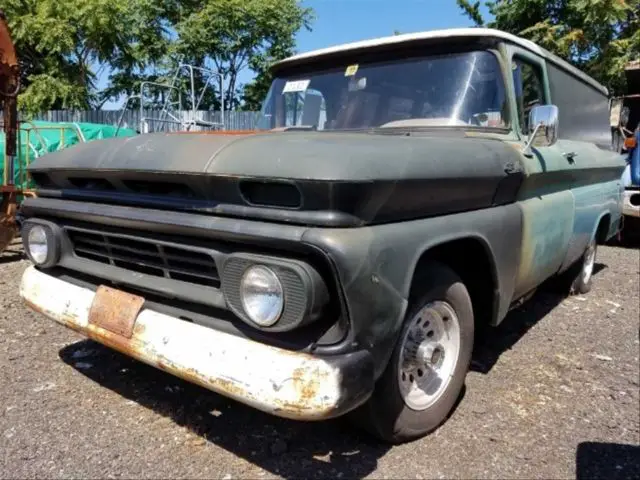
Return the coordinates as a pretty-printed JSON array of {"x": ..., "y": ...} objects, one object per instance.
[
  {"x": 281, "y": 382},
  {"x": 627, "y": 208}
]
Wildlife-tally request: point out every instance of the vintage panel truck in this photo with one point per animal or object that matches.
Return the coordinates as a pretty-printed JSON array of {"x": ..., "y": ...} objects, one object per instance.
[{"x": 401, "y": 193}]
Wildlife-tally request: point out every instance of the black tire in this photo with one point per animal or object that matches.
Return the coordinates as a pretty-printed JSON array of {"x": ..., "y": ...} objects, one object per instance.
[
  {"x": 386, "y": 415},
  {"x": 573, "y": 281},
  {"x": 618, "y": 142}
]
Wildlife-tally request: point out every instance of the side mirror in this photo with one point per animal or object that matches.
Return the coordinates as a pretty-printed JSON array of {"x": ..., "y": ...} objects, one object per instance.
[{"x": 543, "y": 119}]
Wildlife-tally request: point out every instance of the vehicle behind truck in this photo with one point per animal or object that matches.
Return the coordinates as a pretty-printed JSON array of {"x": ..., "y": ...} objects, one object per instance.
[
  {"x": 631, "y": 182},
  {"x": 402, "y": 193},
  {"x": 625, "y": 125},
  {"x": 625, "y": 110}
]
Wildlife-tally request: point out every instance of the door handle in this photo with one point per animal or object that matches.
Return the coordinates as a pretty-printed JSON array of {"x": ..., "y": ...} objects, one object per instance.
[{"x": 570, "y": 156}]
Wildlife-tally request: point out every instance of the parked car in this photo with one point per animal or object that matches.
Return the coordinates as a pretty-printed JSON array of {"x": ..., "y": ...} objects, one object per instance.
[
  {"x": 402, "y": 193},
  {"x": 631, "y": 184},
  {"x": 625, "y": 131},
  {"x": 624, "y": 115}
]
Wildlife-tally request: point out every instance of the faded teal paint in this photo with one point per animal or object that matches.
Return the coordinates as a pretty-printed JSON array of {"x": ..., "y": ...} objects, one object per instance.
[
  {"x": 546, "y": 233},
  {"x": 560, "y": 212},
  {"x": 548, "y": 210},
  {"x": 594, "y": 200},
  {"x": 593, "y": 203}
]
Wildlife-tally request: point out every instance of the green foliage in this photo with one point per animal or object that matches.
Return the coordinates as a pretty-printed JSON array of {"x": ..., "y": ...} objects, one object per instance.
[
  {"x": 232, "y": 35},
  {"x": 597, "y": 36},
  {"x": 63, "y": 45}
]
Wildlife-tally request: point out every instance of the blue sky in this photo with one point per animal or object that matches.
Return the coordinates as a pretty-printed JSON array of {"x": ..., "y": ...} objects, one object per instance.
[{"x": 340, "y": 21}]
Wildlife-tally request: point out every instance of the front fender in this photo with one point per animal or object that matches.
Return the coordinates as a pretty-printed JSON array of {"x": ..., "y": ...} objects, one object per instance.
[{"x": 375, "y": 266}]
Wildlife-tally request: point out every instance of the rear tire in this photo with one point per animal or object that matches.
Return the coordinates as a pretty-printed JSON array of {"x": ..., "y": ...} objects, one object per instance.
[
  {"x": 578, "y": 279},
  {"x": 433, "y": 351}
]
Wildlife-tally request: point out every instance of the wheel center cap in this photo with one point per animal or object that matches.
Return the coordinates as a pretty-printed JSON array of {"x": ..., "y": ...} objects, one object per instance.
[
  {"x": 425, "y": 354},
  {"x": 433, "y": 355}
]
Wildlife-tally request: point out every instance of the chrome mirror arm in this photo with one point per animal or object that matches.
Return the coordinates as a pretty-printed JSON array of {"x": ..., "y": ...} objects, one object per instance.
[
  {"x": 527, "y": 152},
  {"x": 542, "y": 116}
]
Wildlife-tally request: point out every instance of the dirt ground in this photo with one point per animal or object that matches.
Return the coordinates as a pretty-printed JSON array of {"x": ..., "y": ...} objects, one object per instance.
[{"x": 553, "y": 393}]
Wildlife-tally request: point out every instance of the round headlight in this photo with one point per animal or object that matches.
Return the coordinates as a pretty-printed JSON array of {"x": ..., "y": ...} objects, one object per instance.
[
  {"x": 262, "y": 295},
  {"x": 37, "y": 244}
]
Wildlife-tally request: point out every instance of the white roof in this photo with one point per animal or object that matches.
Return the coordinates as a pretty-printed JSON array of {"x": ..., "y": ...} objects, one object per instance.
[{"x": 444, "y": 34}]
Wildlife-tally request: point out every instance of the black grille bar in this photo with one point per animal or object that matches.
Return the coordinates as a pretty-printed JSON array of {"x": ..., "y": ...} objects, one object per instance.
[{"x": 145, "y": 256}]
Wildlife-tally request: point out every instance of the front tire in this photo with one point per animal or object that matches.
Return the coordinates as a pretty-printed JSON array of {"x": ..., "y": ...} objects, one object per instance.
[{"x": 426, "y": 372}]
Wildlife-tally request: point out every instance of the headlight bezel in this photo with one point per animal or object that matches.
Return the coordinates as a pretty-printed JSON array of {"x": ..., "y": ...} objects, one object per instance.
[
  {"x": 305, "y": 294},
  {"x": 52, "y": 237}
]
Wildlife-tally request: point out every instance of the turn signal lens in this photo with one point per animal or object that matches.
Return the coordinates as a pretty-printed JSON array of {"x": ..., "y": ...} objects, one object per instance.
[{"x": 630, "y": 143}]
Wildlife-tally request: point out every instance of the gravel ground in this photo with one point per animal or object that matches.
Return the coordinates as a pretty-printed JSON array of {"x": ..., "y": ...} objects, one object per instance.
[{"x": 554, "y": 393}]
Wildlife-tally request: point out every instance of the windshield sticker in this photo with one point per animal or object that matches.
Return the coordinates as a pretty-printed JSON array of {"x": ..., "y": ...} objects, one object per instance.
[
  {"x": 351, "y": 70},
  {"x": 296, "y": 86},
  {"x": 357, "y": 85}
]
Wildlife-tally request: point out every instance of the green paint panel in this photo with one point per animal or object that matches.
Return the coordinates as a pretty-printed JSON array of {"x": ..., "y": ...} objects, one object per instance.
[{"x": 547, "y": 224}]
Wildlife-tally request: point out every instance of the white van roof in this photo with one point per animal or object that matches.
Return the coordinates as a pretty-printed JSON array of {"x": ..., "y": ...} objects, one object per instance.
[{"x": 409, "y": 38}]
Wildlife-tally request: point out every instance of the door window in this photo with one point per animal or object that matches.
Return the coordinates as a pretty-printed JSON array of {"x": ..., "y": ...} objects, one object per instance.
[{"x": 529, "y": 87}]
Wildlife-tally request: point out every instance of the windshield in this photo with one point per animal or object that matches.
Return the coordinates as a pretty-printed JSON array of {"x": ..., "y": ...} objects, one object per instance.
[{"x": 462, "y": 89}]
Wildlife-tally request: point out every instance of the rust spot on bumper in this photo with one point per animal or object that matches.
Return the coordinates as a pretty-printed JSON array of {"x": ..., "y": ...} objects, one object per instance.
[
  {"x": 289, "y": 384},
  {"x": 115, "y": 310}
]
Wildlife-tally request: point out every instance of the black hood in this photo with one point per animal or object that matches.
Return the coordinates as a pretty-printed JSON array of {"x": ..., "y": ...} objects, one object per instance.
[
  {"x": 362, "y": 174},
  {"x": 293, "y": 155}
]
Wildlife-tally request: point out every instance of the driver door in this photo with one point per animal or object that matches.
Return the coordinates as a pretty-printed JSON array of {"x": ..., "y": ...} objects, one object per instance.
[{"x": 545, "y": 197}]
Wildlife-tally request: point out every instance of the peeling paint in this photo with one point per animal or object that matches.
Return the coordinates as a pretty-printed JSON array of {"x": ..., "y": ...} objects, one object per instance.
[{"x": 288, "y": 384}]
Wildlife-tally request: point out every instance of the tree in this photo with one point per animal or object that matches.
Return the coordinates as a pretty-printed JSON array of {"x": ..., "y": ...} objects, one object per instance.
[
  {"x": 150, "y": 26},
  {"x": 233, "y": 35},
  {"x": 63, "y": 45},
  {"x": 597, "y": 36}
]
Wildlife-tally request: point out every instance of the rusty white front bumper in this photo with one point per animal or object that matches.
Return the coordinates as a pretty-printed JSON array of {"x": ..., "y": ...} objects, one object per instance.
[
  {"x": 627, "y": 208},
  {"x": 280, "y": 382}
]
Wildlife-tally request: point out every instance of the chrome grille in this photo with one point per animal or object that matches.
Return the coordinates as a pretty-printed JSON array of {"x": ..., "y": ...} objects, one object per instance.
[{"x": 145, "y": 256}]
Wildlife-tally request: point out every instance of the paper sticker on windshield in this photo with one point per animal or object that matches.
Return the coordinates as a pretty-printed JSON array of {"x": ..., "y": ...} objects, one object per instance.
[
  {"x": 296, "y": 86},
  {"x": 351, "y": 70},
  {"x": 357, "y": 85}
]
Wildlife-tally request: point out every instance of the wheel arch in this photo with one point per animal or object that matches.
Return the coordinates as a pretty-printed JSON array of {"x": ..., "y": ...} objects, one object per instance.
[
  {"x": 473, "y": 260},
  {"x": 602, "y": 227}
]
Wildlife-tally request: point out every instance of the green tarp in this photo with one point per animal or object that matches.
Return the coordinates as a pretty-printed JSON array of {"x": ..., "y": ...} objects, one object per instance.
[{"x": 38, "y": 138}]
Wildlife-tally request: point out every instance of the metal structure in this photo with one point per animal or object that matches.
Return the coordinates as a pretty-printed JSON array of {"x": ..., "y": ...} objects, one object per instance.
[
  {"x": 24, "y": 158},
  {"x": 9, "y": 87},
  {"x": 168, "y": 119},
  {"x": 625, "y": 110}
]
